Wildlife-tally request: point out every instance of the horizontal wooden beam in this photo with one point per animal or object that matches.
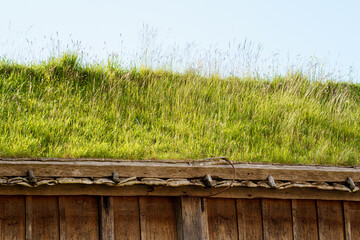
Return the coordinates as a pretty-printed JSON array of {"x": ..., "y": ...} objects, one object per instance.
[
  {"x": 141, "y": 190},
  {"x": 172, "y": 169}
]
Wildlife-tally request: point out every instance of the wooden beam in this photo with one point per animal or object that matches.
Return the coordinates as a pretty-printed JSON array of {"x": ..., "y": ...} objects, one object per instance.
[
  {"x": 141, "y": 190},
  {"x": 244, "y": 171}
]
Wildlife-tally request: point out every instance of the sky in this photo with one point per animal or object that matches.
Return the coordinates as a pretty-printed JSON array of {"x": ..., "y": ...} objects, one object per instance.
[{"x": 273, "y": 33}]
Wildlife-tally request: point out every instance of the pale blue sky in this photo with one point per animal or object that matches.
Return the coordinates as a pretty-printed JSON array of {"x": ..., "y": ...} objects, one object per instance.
[{"x": 292, "y": 29}]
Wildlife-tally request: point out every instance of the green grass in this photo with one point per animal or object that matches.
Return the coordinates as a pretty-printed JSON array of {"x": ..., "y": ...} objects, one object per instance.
[{"x": 62, "y": 108}]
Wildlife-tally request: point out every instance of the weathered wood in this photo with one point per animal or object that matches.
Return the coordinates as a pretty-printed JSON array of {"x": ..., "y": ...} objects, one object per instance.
[
  {"x": 304, "y": 219},
  {"x": 330, "y": 220},
  {"x": 189, "y": 218},
  {"x": 28, "y": 218},
  {"x": 157, "y": 218},
  {"x": 277, "y": 222},
  {"x": 222, "y": 218},
  {"x": 249, "y": 219},
  {"x": 126, "y": 217},
  {"x": 204, "y": 219},
  {"x": 97, "y": 168},
  {"x": 12, "y": 217},
  {"x": 44, "y": 214},
  {"x": 79, "y": 217},
  {"x": 62, "y": 217},
  {"x": 142, "y": 190},
  {"x": 352, "y": 220},
  {"x": 107, "y": 231}
]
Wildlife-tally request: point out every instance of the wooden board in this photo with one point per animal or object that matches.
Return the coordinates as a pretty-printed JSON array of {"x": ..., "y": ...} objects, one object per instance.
[
  {"x": 249, "y": 219},
  {"x": 204, "y": 219},
  {"x": 330, "y": 220},
  {"x": 277, "y": 222},
  {"x": 222, "y": 219},
  {"x": 189, "y": 218},
  {"x": 99, "y": 168},
  {"x": 12, "y": 217},
  {"x": 304, "y": 219},
  {"x": 157, "y": 218},
  {"x": 79, "y": 217},
  {"x": 142, "y": 190},
  {"x": 352, "y": 220},
  {"x": 42, "y": 217},
  {"x": 107, "y": 230},
  {"x": 126, "y": 218},
  {"x": 28, "y": 218}
]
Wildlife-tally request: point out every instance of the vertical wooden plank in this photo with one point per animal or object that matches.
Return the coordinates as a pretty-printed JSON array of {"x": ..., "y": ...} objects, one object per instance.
[
  {"x": 126, "y": 217},
  {"x": 28, "y": 218},
  {"x": 107, "y": 218},
  {"x": 304, "y": 219},
  {"x": 188, "y": 218},
  {"x": 12, "y": 217},
  {"x": 204, "y": 219},
  {"x": 352, "y": 220},
  {"x": 157, "y": 218},
  {"x": 42, "y": 217},
  {"x": 330, "y": 220},
  {"x": 62, "y": 218},
  {"x": 277, "y": 219},
  {"x": 222, "y": 218},
  {"x": 249, "y": 219},
  {"x": 79, "y": 217}
]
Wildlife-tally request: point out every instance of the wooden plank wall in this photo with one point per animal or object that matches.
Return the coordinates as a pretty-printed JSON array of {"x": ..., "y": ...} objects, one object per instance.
[{"x": 92, "y": 217}]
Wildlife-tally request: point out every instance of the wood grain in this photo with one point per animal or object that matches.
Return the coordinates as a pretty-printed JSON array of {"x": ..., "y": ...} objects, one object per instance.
[
  {"x": 189, "y": 218},
  {"x": 28, "y": 218},
  {"x": 222, "y": 219},
  {"x": 44, "y": 217},
  {"x": 330, "y": 220},
  {"x": 107, "y": 230},
  {"x": 204, "y": 219},
  {"x": 249, "y": 219},
  {"x": 142, "y": 190},
  {"x": 277, "y": 222},
  {"x": 157, "y": 218},
  {"x": 12, "y": 217},
  {"x": 94, "y": 168},
  {"x": 304, "y": 219},
  {"x": 352, "y": 220},
  {"x": 79, "y": 217},
  {"x": 126, "y": 217}
]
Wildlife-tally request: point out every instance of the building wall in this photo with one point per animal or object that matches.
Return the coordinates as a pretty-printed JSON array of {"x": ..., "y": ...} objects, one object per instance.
[{"x": 96, "y": 217}]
